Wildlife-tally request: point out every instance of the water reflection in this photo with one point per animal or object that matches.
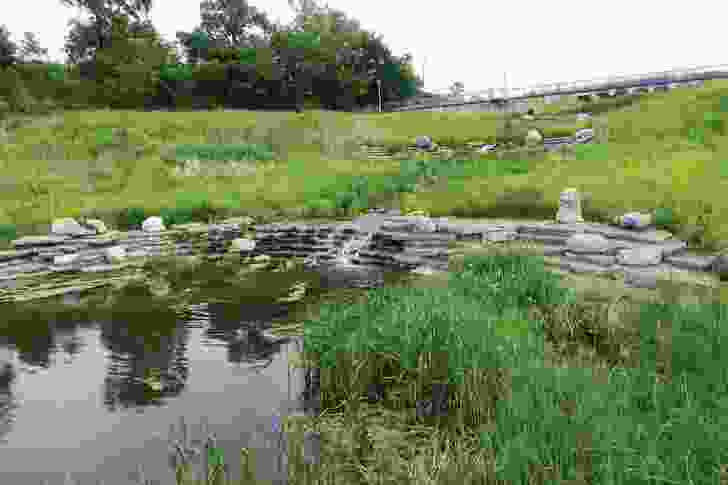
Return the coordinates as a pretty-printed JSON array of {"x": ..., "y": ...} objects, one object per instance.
[{"x": 81, "y": 361}]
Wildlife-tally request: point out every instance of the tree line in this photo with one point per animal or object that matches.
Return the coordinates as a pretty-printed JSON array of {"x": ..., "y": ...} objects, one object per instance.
[{"x": 236, "y": 56}]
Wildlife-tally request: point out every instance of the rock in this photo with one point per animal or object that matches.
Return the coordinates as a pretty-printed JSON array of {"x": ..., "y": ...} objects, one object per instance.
[
  {"x": 587, "y": 243},
  {"x": 533, "y": 137},
  {"x": 153, "y": 224},
  {"x": 720, "y": 266},
  {"x": 115, "y": 254},
  {"x": 68, "y": 226},
  {"x": 242, "y": 245},
  {"x": 644, "y": 256},
  {"x": 65, "y": 259},
  {"x": 410, "y": 224},
  {"x": 569, "y": 207},
  {"x": 641, "y": 279},
  {"x": 95, "y": 225},
  {"x": 634, "y": 220},
  {"x": 423, "y": 143}
]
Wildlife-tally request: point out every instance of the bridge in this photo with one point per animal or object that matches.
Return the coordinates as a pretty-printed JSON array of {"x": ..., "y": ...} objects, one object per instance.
[{"x": 516, "y": 99}]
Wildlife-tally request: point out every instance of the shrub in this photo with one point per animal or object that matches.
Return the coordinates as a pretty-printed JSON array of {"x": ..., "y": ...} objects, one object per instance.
[
  {"x": 8, "y": 232},
  {"x": 663, "y": 217},
  {"x": 132, "y": 217}
]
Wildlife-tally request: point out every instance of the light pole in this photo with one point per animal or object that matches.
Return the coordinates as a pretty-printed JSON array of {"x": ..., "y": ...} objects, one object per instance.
[{"x": 379, "y": 92}]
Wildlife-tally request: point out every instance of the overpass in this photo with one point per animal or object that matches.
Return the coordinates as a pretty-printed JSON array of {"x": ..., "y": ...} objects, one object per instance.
[{"x": 516, "y": 99}]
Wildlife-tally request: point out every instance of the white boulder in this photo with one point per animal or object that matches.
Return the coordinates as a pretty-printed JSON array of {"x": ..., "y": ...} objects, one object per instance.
[
  {"x": 153, "y": 224},
  {"x": 569, "y": 207},
  {"x": 115, "y": 254},
  {"x": 64, "y": 259},
  {"x": 67, "y": 226},
  {"x": 587, "y": 243},
  {"x": 242, "y": 245},
  {"x": 644, "y": 256}
]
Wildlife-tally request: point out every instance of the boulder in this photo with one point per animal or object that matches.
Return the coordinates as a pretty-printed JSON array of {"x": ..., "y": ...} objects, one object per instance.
[
  {"x": 242, "y": 245},
  {"x": 115, "y": 254},
  {"x": 64, "y": 259},
  {"x": 634, "y": 220},
  {"x": 569, "y": 207},
  {"x": 533, "y": 137},
  {"x": 153, "y": 224},
  {"x": 95, "y": 225},
  {"x": 68, "y": 226},
  {"x": 641, "y": 279},
  {"x": 587, "y": 243},
  {"x": 719, "y": 266},
  {"x": 644, "y": 256},
  {"x": 423, "y": 142}
]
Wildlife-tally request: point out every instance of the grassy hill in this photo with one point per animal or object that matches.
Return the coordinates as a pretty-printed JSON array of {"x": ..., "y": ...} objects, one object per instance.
[{"x": 664, "y": 150}]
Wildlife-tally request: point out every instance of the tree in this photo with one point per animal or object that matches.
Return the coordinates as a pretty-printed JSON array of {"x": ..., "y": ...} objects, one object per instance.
[
  {"x": 84, "y": 38},
  {"x": 8, "y": 48},
  {"x": 127, "y": 69},
  {"x": 457, "y": 89},
  {"x": 229, "y": 21},
  {"x": 30, "y": 47},
  {"x": 102, "y": 13}
]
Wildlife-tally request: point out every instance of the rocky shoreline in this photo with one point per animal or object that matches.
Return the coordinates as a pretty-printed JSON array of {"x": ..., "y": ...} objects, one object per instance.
[{"x": 71, "y": 256}]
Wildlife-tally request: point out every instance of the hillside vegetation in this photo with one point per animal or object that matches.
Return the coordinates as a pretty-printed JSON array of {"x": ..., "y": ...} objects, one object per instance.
[{"x": 666, "y": 150}]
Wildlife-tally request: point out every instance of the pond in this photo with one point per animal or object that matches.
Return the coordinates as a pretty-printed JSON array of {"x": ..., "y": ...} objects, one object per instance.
[{"x": 100, "y": 377}]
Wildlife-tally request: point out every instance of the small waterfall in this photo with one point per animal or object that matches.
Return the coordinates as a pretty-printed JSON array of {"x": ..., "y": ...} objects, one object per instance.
[{"x": 351, "y": 248}]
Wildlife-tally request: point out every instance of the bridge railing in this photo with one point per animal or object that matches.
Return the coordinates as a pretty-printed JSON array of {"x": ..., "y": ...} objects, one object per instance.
[{"x": 596, "y": 83}]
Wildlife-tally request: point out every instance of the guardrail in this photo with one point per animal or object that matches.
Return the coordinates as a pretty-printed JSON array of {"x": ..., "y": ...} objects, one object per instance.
[{"x": 573, "y": 87}]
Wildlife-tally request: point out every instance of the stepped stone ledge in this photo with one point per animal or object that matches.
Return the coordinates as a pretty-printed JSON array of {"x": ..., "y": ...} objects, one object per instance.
[{"x": 398, "y": 242}]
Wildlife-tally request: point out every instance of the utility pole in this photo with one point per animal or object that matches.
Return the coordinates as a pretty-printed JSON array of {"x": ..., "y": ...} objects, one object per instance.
[{"x": 424, "y": 61}]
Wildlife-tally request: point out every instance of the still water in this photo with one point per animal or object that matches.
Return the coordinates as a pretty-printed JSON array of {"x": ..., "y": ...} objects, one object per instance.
[{"x": 101, "y": 377}]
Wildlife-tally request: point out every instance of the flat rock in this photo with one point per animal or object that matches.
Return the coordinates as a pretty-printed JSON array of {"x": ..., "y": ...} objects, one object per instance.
[
  {"x": 600, "y": 259},
  {"x": 500, "y": 236},
  {"x": 587, "y": 243},
  {"x": 39, "y": 241},
  {"x": 644, "y": 256},
  {"x": 16, "y": 254}
]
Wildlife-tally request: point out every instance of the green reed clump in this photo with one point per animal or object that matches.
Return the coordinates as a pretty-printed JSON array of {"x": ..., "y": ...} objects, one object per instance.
[
  {"x": 8, "y": 232},
  {"x": 237, "y": 152}
]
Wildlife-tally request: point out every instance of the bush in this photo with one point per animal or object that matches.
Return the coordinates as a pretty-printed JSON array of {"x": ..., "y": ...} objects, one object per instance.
[
  {"x": 132, "y": 217},
  {"x": 14, "y": 92},
  {"x": 8, "y": 232}
]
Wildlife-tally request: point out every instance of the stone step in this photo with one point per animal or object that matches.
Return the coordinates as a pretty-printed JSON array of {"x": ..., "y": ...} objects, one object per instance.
[{"x": 690, "y": 261}]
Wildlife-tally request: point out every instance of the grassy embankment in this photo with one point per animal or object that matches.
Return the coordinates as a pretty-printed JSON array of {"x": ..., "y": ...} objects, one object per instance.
[{"x": 647, "y": 154}]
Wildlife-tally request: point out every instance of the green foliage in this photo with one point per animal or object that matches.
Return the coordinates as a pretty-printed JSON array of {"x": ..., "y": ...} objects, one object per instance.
[
  {"x": 224, "y": 152},
  {"x": 723, "y": 103},
  {"x": 133, "y": 217},
  {"x": 663, "y": 217},
  {"x": 696, "y": 135},
  {"x": 247, "y": 55},
  {"x": 713, "y": 121},
  {"x": 591, "y": 152},
  {"x": 175, "y": 72},
  {"x": 14, "y": 92},
  {"x": 8, "y": 232},
  {"x": 127, "y": 71},
  {"x": 303, "y": 40},
  {"x": 56, "y": 72}
]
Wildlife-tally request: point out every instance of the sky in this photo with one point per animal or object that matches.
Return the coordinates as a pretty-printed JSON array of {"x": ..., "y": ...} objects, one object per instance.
[{"x": 481, "y": 44}]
